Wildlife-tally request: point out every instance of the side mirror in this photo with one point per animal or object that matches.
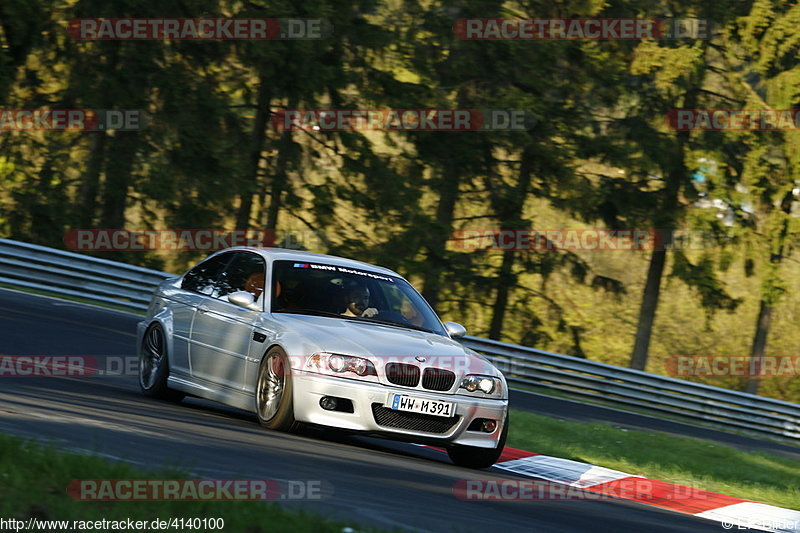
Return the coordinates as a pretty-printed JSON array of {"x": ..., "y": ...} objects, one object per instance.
[
  {"x": 244, "y": 299},
  {"x": 455, "y": 330}
]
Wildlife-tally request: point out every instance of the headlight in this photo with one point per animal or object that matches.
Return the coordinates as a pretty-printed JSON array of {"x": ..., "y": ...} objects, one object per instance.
[
  {"x": 474, "y": 383},
  {"x": 341, "y": 364}
]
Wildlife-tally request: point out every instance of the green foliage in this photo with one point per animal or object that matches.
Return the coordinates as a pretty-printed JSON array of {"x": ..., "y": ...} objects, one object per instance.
[{"x": 702, "y": 278}]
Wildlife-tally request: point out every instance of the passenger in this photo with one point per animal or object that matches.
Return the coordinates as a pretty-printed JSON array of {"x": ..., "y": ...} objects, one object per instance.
[{"x": 410, "y": 313}]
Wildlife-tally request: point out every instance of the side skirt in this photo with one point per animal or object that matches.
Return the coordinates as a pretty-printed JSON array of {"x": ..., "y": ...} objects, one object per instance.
[{"x": 219, "y": 393}]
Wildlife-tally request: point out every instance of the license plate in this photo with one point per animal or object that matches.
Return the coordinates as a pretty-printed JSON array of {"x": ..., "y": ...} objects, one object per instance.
[{"x": 403, "y": 402}]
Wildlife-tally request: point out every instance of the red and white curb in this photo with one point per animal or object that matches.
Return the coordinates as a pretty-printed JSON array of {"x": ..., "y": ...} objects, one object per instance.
[{"x": 729, "y": 511}]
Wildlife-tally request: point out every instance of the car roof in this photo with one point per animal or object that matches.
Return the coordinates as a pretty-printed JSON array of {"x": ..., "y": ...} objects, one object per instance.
[{"x": 277, "y": 254}]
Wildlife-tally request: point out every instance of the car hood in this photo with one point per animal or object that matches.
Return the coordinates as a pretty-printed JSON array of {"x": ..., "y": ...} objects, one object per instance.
[{"x": 376, "y": 341}]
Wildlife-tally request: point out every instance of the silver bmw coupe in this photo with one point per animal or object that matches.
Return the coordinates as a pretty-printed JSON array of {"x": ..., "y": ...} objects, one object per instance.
[{"x": 304, "y": 338}]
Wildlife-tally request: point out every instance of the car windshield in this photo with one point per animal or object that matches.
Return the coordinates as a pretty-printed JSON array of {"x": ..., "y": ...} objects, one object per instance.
[{"x": 349, "y": 293}]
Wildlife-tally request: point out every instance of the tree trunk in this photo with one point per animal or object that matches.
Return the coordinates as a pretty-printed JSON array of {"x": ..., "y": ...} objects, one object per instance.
[
  {"x": 767, "y": 302},
  {"x": 647, "y": 312},
  {"x": 505, "y": 279},
  {"x": 259, "y": 135},
  {"x": 119, "y": 167},
  {"x": 437, "y": 240},
  {"x": 90, "y": 187},
  {"x": 280, "y": 180},
  {"x": 759, "y": 345},
  {"x": 666, "y": 221},
  {"x": 511, "y": 220}
]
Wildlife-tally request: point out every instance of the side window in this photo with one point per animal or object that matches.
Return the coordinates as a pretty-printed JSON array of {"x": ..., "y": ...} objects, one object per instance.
[
  {"x": 202, "y": 278},
  {"x": 245, "y": 273}
]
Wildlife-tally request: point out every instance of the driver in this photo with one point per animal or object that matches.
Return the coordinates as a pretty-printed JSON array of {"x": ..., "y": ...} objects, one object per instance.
[{"x": 357, "y": 301}]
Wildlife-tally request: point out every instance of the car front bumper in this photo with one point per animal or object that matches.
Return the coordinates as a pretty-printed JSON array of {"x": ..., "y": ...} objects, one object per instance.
[{"x": 369, "y": 398}]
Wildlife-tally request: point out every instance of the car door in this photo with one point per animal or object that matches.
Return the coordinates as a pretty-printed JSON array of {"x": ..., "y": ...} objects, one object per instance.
[
  {"x": 222, "y": 332},
  {"x": 196, "y": 287}
]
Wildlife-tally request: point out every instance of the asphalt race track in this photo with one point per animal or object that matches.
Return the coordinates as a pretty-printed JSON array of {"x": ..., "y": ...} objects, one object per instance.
[{"x": 365, "y": 481}]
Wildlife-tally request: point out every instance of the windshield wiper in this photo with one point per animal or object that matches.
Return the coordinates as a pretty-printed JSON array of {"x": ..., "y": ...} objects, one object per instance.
[{"x": 314, "y": 312}]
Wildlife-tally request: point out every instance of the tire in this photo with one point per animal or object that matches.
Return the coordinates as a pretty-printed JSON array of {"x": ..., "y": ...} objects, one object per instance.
[
  {"x": 154, "y": 366},
  {"x": 473, "y": 457},
  {"x": 274, "y": 405}
]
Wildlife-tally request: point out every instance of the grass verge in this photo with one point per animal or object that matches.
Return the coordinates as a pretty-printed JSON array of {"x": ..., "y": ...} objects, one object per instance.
[
  {"x": 756, "y": 476},
  {"x": 34, "y": 479}
]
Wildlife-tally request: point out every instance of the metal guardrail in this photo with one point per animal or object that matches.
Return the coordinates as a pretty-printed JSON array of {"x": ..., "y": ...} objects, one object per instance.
[
  {"x": 70, "y": 274},
  {"x": 109, "y": 282},
  {"x": 626, "y": 387}
]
